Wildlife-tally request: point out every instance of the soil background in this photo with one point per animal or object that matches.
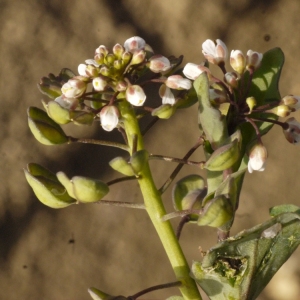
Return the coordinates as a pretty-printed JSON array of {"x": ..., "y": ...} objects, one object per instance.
[{"x": 57, "y": 254}]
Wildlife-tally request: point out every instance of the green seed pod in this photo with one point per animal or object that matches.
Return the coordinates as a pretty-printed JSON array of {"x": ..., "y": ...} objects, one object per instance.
[
  {"x": 138, "y": 161},
  {"x": 57, "y": 113},
  {"x": 164, "y": 111},
  {"x": 46, "y": 187},
  {"x": 44, "y": 129},
  {"x": 88, "y": 190},
  {"x": 216, "y": 213},
  {"x": 66, "y": 182},
  {"x": 224, "y": 157},
  {"x": 121, "y": 165}
]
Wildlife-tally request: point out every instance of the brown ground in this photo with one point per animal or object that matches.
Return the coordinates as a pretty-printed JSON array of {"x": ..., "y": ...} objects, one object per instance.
[{"x": 56, "y": 255}]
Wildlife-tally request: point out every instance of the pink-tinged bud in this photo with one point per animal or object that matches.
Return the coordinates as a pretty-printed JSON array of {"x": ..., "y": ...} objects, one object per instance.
[
  {"x": 91, "y": 62},
  {"x": 134, "y": 43},
  {"x": 238, "y": 61},
  {"x": 105, "y": 71},
  {"x": 215, "y": 53},
  {"x": 68, "y": 103},
  {"x": 99, "y": 84},
  {"x": 217, "y": 96},
  {"x": 257, "y": 158},
  {"x": 177, "y": 82},
  {"x": 99, "y": 59},
  {"x": 135, "y": 95},
  {"x": 138, "y": 57},
  {"x": 118, "y": 50},
  {"x": 291, "y": 101},
  {"x": 159, "y": 63},
  {"x": 192, "y": 71},
  {"x": 109, "y": 59},
  {"x": 101, "y": 50},
  {"x": 87, "y": 70},
  {"x": 166, "y": 95},
  {"x": 292, "y": 133},
  {"x": 253, "y": 60},
  {"x": 109, "y": 117},
  {"x": 281, "y": 110},
  {"x": 126, "y": 57},
  {"x": 74, "y": 88},
  {"x": 232, "y": 79},
  {"x": 121, "y": 86}
]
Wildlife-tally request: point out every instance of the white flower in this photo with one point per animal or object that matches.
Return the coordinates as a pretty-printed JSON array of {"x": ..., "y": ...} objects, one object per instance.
[
  {"x": 177, "y": 82},
  {"x": 166, "y": 95},
  {"x": 99, "y": 83},
  {"x": 109, "y": 117},
  {"x": 68, "y": 103},
  {"x": 135, "y": 95},
  {"x": 238, "y": 61},
  {"x": 159, "y": 63},
  {"x": 292, "y": 133},
  {"x": 134, "y": 43},
  {"x": 192, "y": 71},
  {"x": 257, "y": 158},
  {"x": 74, "y": 88},
  {"x": 253, "y": 60},
  {"x": 87, "y": 70},
  {"x": 215, "y": 53}
]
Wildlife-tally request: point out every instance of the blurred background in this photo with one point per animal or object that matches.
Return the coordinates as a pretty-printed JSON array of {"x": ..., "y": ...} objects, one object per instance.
[{"x": 57, "y": 254}]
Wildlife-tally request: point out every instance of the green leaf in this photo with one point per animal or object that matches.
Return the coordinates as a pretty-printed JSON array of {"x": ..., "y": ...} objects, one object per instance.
[
  {"x": 211, "y": 120},
  {"x": 284, "y": 208},
  {"x": 240, "y": 267}
]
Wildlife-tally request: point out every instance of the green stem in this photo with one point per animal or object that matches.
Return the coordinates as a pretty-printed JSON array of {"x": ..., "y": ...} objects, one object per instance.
[{"x": 156, "y": 210}]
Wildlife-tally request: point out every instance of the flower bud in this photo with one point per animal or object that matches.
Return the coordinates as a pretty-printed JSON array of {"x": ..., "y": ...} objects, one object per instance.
[
  {"x": 121, "y": 86},
  {"x": 101, "y": 50},
  {"x": 118, "y": 64},
  {"x": 74, "y": 88},
  {"x": 134, "y": 43},
  {"x": 238, "y": 61},
  {"x": 281, "y": 110},
  {"x": 217, "y": 96},
  {"x": 159, "y": 63},
  {"x": 231, "y": 78},
  {"x": 257, "y": 158},
  {"x": 251, "y": 102},
  {"x": 135, "y": 95},
  {"x": 99, "y": 59},
  {"x": 292, "y": 133},
  {"x": 291, "y": 101},
  {"x": 109, "y": 59},
  {"x": 87, "y": 70},
  {"x": 138, "y": 57},
  {"x": 109, "y": 117},
  {"x": 118, "y": 50},
  {"x": 126, "y": 57},
  {"x": 215, "y": 53},
  {"x": 177, "y": 82},
  {"x": 105, "y": 71},
  {"x": 99, "y": 83},
  {"x": 192, "y": 71},
  {"x": 253, "y": 60},
  {"x": 166, "y": 95},
  {"x": 91, "y": 62}
]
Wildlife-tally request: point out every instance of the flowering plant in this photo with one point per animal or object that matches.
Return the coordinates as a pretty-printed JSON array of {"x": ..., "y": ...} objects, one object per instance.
[{"x": 234, "y": 113}]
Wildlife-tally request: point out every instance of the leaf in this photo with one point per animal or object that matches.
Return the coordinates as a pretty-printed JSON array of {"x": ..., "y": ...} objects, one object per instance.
[
  {"x": 210, "y": 118},
  {"x": 240, "y": 267}
]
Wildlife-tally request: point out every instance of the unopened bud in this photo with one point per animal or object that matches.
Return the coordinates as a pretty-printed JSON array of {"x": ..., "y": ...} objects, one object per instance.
[
  {"x": 291, "y": 101},
  {"x": 192, "y": 71},
  {"x": 101, "y": 50},
  {"x": 251, "y": 102},
  {"x": 126, "y": 57},
  {"x": 74, "y": 88},
  {"x": 257, "y": 158},
  {"x": 135, "y": 95},
  {"x": 253, "y": 60},
  {"x": 292, "y": 133},
  {"x": 118, "y": 50},
  {"x": 217, "y": 96},
  {"x": 138, "y": 57},
  {"x": 109, "y": 117},
  {"x": 177, "y": 82},
  {"x": 231, "y": 78},
  {"x": 134, "y": 43},
  {"x": 281, "y": 111},
  {"x": 109, "y": 59},
  {"x": 237, "y": 61},
  {"x": 159, "y": 63}
]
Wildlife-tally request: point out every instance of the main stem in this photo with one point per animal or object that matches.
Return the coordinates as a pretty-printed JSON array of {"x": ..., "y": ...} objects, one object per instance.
[{"x": 155, "y": 209}]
